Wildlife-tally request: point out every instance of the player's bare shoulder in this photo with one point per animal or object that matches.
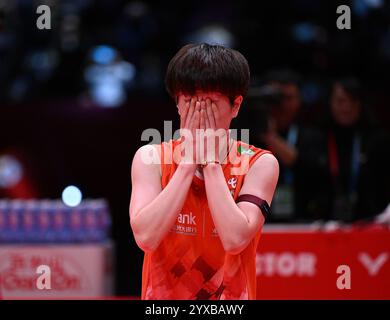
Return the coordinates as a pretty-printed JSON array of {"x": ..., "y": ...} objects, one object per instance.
[
  {"x": 266, "y": 167},
  {"x": 148, "y": 155},
  {"x": 267, "y": 161}
]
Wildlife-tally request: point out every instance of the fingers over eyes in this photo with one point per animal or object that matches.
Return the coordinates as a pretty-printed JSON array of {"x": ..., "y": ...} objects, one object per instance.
[
  {"x": 215, "y": 110},
  {"x": 202, "y": 120},
  {"x": 190, "y": 113},
  {"x": 196, "y": 120},
  {"x": 184, "y": 112},
  {"x": 199, "y": 112},
  {"x": 210, "y": 114}
]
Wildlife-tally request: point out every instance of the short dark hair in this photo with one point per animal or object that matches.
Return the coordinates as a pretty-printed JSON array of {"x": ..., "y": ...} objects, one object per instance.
[{"x": 207, "y": 67}]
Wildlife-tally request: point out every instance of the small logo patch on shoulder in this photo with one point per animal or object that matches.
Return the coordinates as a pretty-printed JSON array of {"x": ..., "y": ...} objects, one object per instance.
[{"x": 245, "y": 151}]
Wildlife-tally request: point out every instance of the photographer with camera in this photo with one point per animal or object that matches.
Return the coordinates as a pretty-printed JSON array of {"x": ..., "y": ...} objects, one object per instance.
[{"x": 274, "y": 121}]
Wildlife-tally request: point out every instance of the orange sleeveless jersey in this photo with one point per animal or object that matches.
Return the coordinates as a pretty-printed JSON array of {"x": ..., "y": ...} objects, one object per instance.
[{"x": 190, "y": 262}]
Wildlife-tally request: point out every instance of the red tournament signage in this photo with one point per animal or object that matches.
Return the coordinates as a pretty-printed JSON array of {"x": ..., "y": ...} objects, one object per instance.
[
  {"x": 77, "y": 271},
  {"x": 301, "y": 263}
]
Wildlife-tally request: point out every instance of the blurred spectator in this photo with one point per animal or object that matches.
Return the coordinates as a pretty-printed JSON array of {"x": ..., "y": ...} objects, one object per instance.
[
  {"x": 297, "y": 149},
  {"x": 358, "y": 157}
]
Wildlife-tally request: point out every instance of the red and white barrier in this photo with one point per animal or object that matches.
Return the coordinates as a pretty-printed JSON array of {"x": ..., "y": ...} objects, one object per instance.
[
  {"x": 302, "y": 263},
  {"x": 76, "y": 271}
]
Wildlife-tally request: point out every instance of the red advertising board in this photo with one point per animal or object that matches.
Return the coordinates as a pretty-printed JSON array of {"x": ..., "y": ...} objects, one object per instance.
[
  {"x": 303, "y": 263},
  {"x": 76, "y": 271}
]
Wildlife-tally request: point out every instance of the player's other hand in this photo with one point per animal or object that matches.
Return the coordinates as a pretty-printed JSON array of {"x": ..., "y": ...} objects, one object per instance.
[{"x": 189, "y": 123}]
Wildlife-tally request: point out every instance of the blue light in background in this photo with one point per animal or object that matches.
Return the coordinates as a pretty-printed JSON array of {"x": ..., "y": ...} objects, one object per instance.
[
  {"x": 72, "y": 196},
  {"x": 108, "y": 76},
  {"x": 103, "y": 54},
  {"x": 362, "y": 7},
  {"x": 304, "y": 32}
]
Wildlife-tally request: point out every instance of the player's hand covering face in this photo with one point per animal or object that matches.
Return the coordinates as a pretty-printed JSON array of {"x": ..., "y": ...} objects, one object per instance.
[{"x": 204, "y": 122}]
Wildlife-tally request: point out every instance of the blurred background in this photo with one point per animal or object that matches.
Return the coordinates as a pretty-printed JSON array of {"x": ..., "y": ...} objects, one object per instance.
[{"x": 75, "y": 99}]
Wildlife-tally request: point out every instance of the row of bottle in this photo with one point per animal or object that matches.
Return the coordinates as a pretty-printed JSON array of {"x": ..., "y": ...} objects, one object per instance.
[{"x": 51, "y": 221}]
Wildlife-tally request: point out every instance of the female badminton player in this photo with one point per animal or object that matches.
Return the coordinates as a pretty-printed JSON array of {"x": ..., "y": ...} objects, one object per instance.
[{"x": 197, "y": 211}]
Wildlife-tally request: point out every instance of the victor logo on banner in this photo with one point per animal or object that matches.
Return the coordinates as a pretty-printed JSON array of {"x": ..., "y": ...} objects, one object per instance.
[
  {"x": 373, "y": 266},
  {"x": 286, "y": 264}
]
